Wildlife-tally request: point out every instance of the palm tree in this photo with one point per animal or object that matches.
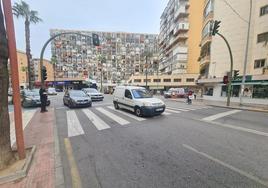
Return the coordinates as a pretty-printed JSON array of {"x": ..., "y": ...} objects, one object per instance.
[
  {"x": 23, "y": 10},
  {"x": 6, "y": 154}
]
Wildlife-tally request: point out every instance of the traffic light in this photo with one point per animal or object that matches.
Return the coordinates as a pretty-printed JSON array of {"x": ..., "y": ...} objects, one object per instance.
[
  {"x": 96, "y": 40},
  {"x": 215, "y": 28},
  {"x": 236, "y": 74},
  {"x": 225, "y": 80},
  {"x": 44, "y": 73}
]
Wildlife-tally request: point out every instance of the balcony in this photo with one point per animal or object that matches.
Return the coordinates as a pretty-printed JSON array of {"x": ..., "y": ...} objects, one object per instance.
[
  {"x": 184, "y": 26},
  {"x": 181, "y": 12},
  {"x": 205, "y": 60}
]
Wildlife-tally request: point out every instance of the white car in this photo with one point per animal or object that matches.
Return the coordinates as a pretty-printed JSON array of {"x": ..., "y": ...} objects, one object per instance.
[
  {"x": 51, "y": 91},
  {"x": 138, "y": 100},
  {"x": 94, "y": 94}
]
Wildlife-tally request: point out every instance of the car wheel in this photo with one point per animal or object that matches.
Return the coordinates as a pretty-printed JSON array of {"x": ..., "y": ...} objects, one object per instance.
[
  {"x": 138, "y": 111},
  {"x": 116, "y": 106},
  {"x": 90, "y": 104},
  {"x": 70, "y": 105}
]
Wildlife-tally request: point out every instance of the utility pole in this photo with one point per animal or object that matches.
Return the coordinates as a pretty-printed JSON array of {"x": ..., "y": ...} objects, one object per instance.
[{"x": 246, "y": 57}]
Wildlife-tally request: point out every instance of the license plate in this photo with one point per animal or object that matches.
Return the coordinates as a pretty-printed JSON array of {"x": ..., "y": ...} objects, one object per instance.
[{"x": 159, "y": 109}]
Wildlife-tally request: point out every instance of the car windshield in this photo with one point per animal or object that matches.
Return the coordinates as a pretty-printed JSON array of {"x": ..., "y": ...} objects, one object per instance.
[
  {"x": 141, "y": 93},
  {"x": 51, "y": 89},
  {"x": 77, "y": 94},
  {"x": 32, "y": 93},
  {"x": 89, "y": 90}
]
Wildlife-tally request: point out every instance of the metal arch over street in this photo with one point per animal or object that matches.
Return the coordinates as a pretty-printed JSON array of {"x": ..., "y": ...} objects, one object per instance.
[{"x": 47, "y": 42}]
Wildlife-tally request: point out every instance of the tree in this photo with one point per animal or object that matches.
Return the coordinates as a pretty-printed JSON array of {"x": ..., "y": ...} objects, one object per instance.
[
  {"x": 6, "y": 154},
  {"x": 23, "y": 10}
]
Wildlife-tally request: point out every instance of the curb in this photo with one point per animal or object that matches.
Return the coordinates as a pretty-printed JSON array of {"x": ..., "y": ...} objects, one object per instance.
[
  {"x": 239, "y": 108},
  {"x": 59, "y": 177},
  {"x": 21, "y": 173}
]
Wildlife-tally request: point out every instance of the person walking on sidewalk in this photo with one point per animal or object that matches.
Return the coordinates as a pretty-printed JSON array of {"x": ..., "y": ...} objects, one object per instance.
[{"x": 43, "y": 98}]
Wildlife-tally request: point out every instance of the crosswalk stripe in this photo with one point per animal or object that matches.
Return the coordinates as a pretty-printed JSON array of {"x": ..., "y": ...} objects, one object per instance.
[
  {"x": 114, "y": 117},
  {"x": 173, "y": 111},
  {"x": 99, "y": 123},
  {"x": 166, "y": 113},
  {"x": 180, "y": 109},
  {"x": 74, "y": 126},
  {"x": 127, "y": 114}
]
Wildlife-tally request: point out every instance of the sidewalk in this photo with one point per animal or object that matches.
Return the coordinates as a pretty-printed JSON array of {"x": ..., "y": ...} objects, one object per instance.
[
  {"x": 39, "y": 132},
  {"x": 233, "y": 105}
]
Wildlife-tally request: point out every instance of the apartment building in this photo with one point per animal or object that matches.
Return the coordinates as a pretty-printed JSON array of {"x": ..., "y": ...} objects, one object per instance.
[
  {"x": 179, "y": 49},
  {"x": 119, "y": 56},
  {"x": 174, "y": 26},
  {"x": 215, "y": 60}
]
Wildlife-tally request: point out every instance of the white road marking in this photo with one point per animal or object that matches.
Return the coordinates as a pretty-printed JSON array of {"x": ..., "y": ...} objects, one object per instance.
[
  {"x": 99, "y": 123},
  {"x": 166, "y": 113},
  {"x": 241, "y": 172},
  {"x": 114, "y": 117},
  {"x": 239, "y": 128},
  {"x": 220, "y": 115},
  {"x": 127, "y": 114},
  {"x": 74, "y": 126},
  {"x": 101, "y": 104},
  {"x": 61, "y": 107},
  {"x": 173, "y": 111},
  {"x": 180, "y": 109}
]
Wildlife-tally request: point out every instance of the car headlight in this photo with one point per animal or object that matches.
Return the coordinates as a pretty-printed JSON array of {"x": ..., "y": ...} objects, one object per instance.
[
  {"x": 147, "y": 104},
  {"x": 28, "y": 98}
]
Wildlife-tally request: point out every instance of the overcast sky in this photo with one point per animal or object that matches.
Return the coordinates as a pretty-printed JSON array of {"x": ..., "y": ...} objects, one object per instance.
[{"x": 142, "y": 16}]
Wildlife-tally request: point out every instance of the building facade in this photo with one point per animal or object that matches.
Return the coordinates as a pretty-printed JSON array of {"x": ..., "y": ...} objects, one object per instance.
[
  {"x": 215, "y": 59},
  {"x": 174, "y": 26},
  {"x": 23, "y": 68},
  {"x": 119, "y": 55}
]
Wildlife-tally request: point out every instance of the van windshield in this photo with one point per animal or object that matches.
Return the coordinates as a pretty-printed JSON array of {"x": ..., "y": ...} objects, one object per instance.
[{"x": 141, "y": 93}]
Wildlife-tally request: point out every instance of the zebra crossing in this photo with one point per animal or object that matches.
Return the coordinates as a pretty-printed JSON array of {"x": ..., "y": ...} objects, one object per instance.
[{"x": 118, "y": 117}]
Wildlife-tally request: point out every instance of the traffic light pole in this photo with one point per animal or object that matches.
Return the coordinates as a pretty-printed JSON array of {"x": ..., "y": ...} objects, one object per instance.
[{"x": 231, "y": 69}]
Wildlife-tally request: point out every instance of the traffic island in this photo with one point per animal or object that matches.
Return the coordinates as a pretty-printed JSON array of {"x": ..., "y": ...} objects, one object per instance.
[{"x": 19, "y": 168}]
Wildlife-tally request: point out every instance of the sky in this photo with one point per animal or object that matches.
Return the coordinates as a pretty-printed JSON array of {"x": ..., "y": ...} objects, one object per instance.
[{"x": 141, "y": 16}]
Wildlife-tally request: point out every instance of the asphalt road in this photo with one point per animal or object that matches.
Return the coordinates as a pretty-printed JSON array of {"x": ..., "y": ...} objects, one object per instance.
[{"x": 188, "y": 146}]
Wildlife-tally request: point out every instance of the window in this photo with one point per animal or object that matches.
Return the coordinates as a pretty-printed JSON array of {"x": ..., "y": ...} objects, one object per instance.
[
  {"x": 167, "y": 80},
  {"x": 177, "y": 80},
  {"x": 209, "y": 8},
  {"x": 206, "y": 30},
  {"x": 189, "y": 79},
  {"x": 148, "y": 80},
  {"x": 157, "y": 80},
  {"x": 262, "y": 37},
  {"x": 137, "y": 80},
  {"x": 128, "y": 94},
  {"x": 259, "y": 63},
  {"x": 264, "y": 10}
]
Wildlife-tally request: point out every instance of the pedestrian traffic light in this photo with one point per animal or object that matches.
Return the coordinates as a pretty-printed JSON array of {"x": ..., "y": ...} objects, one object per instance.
[
  {"x": 225, "y": 80},
  {"x": 236, "y": 74},
  {"x": 215, "y": 28},
  {"x": 44, "y": 73},
  {"x": 96, "y": 40}
]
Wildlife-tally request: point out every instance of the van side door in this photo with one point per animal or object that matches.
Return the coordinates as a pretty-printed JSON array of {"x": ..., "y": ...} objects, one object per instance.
[{"x": 129, "y": 102}]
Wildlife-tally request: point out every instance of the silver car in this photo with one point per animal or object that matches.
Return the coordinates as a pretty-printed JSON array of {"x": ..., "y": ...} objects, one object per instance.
[{"x": 94, "y": 94}]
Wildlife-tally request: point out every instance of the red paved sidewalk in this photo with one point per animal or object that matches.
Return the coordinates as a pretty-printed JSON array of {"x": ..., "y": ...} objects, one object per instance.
[{"x": 40, "y": 133}]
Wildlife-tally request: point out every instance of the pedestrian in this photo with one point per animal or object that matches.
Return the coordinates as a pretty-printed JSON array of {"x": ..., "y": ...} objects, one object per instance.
[
  {"x": 189, "y": 97},
  {"x": 43, "y": 98}
]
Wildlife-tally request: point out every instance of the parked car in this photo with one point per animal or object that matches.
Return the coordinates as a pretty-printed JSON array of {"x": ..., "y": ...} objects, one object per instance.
[
  {"x": 175, "y": 92},
  {"x": 51, "y": 91},
  {"x": 138, "y": 100},
  {"x": 59, "y": 90},
  {"x": 31, "y": 98},
  {"x": 94, "y": 94},
  {"x": 76, "y": 98}
]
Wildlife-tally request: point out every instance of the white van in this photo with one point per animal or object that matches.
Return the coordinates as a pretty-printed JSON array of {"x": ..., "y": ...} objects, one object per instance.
[{"x": 138, "y": 100}]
